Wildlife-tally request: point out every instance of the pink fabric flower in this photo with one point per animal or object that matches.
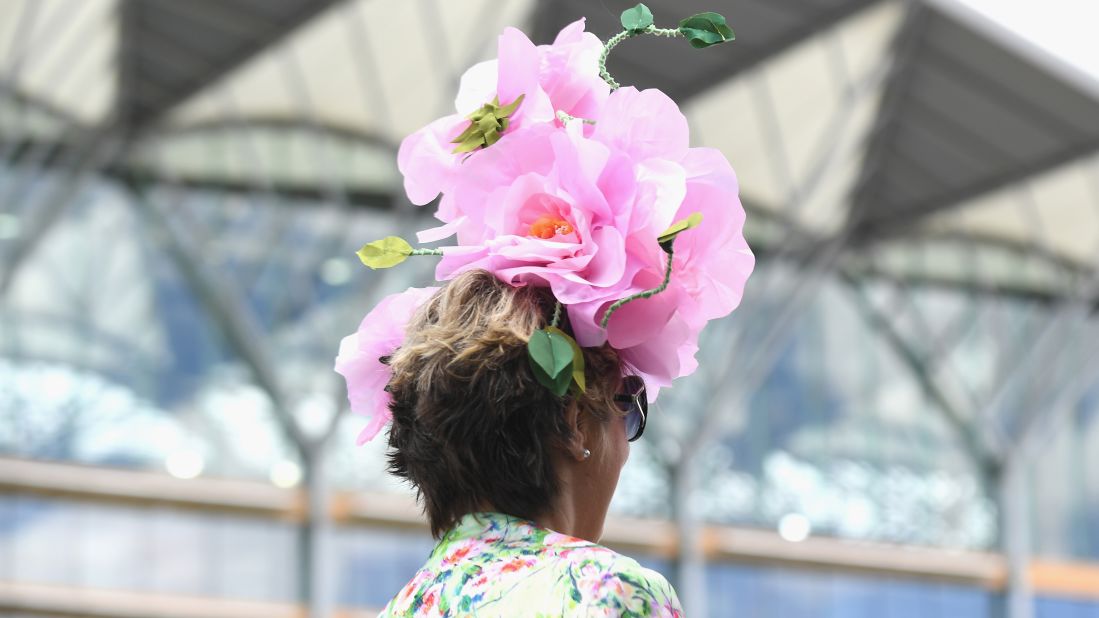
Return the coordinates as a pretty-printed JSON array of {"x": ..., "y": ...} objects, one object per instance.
[
  {"x": 580, "y": 212},
  {"x": 562, "y": 76},
  {"x": 380, "y": 333}
]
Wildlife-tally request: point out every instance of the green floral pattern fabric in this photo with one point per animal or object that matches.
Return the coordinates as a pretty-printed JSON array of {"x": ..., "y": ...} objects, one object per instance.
[{"x": 492, "y": 564}]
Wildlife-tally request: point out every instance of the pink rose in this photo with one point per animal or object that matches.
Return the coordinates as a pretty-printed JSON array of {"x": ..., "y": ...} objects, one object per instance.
[
  {"x": 563, "y": 76},
  {"x": 533, "y": 210},
  {"x": 580, "y": 211},
  {"x": 380, "y": 333}
]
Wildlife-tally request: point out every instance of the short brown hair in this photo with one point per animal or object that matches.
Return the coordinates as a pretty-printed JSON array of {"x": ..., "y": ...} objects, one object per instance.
[{"x": 471, "y": 424}]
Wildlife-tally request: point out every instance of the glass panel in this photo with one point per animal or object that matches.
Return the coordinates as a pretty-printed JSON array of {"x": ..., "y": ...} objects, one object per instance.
[
  {"x": 790, "y": 593},
  {"x": 53, "y": 541}
]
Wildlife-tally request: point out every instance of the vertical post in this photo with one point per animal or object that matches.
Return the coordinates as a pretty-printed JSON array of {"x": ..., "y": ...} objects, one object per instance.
[
  {"x": 1015, "y": 538},
  {"x": 690, "y": 561},
  {"x": 315, "y": 541}
]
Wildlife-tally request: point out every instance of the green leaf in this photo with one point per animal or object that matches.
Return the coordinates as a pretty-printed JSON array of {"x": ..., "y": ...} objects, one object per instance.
[
  {"x": 510, "y": 108},
  {"x": 469, "y": 145},
  {"x": 637, "y": 18},
  {"x": 577, "y": 359},
  {"x": 705, "y": 29},
  {"x": 683, "y": 224},
  {"x": 551, "y": 359},
  {"x": 389, "y": 251},
  {"x": 486, "y": 124}
]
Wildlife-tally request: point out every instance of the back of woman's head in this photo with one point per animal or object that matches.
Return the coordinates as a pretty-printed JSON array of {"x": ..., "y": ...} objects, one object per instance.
[{"x": 472, "y": 427}]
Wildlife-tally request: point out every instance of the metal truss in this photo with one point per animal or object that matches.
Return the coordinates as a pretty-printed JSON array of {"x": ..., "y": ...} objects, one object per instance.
[
  {"x": 823, "y": 258},
  {"x": 132, "y": 126},
  {"x": 923, "y": 369}
]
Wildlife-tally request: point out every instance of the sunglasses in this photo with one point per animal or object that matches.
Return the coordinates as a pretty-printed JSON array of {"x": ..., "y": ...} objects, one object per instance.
[{"x": 635, "y": 403}]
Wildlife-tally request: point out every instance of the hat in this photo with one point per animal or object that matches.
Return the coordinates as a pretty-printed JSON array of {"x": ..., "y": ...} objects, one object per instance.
[{"x": 549, "y": 174}]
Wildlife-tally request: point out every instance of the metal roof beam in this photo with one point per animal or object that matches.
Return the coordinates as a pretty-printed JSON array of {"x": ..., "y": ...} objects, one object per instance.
[
  {"x": 945, "y": 283},
  {"x": 1060, "y": 397},
  {"x": 94, "y": 152},
  {"x": 880, "y": 222},
  {"x": 1061, "y": 325},
  {"x": 257, "y": 35},
  {"x": 230, "y": 314},
  {"x": 905, "y": 45},
  {"x": 59, "y": 153},
  {"x": 818, "y": 23},
  {"x": 954, "y": 69},
  {"x": 9, "y": 90},
  {"x": 278, "y": 123},
  {"x": 820, "y": 259},
  {"x": 810, "y": 22},
  {"x": 901, "y": 220},
  {"x": 922, "y": 369},
  {"x": 1062, "y": 402}
]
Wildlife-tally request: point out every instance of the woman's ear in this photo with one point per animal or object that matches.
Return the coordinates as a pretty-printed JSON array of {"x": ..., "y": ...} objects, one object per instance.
[{"x": 576, "y": 422}]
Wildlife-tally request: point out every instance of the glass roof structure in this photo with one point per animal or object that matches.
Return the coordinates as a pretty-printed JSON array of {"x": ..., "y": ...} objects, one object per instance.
[{"x": 183, "y": 186}]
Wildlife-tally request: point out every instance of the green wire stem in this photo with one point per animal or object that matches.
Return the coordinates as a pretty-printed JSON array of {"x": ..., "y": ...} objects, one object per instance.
[
  {"x": 556, "y": 313},
  {"x": 645, "y": 294},
  {"x": 565, "y": 118},
  {"x": 426, "y": 252},
  {"x": 622, "y": 36}
]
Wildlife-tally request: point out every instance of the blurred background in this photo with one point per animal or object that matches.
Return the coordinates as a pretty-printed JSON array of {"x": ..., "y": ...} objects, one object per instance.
[{"x": 899, "y": 421}]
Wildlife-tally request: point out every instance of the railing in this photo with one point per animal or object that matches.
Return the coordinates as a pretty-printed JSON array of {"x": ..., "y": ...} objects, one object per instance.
[{"x": 389, "y": 511}]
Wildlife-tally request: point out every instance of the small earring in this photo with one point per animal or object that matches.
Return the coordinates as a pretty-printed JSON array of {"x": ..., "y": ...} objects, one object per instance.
[{"x": 587, "y": 454}]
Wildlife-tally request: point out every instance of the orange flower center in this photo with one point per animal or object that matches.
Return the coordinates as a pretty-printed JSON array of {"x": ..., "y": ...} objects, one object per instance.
[{"x": 547, "y": 227}]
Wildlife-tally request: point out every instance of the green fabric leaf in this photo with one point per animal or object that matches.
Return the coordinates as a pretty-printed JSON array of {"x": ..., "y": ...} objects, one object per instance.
[
  {"x": 683, "y": 224},
  {"x": 469, "y": 140},
  {"x": 551, "y": 359},
  {"x": 577, "y": 359},
  {"x": 510, "y": 108},
  {"x": 705, "y": 29},
  {"x": 384, "y": 253},
  {"x": 637, "y": 18},
  {"x": 469, "y": 145},
  {"x": 486, "y": 124},
  {"x": 560, "y": 386}
]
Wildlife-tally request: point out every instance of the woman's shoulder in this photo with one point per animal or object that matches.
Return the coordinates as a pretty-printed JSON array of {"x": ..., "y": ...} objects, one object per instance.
[
  {"x": 597, "y": 577},
  {"x": 513, "y": 568}
]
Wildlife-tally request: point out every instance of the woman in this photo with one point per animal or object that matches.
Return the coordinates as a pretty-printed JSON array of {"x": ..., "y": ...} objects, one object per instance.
[
  {"x": 592, "y": 247},
  {"x": 514, "y": 479}
]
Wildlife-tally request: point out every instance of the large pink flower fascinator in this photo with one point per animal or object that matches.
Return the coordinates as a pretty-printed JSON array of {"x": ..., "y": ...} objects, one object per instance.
[{"x": 550, "y": 174}]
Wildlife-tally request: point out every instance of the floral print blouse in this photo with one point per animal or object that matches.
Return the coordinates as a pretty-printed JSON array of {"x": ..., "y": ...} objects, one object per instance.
[{"x": 492, "y": 564}]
